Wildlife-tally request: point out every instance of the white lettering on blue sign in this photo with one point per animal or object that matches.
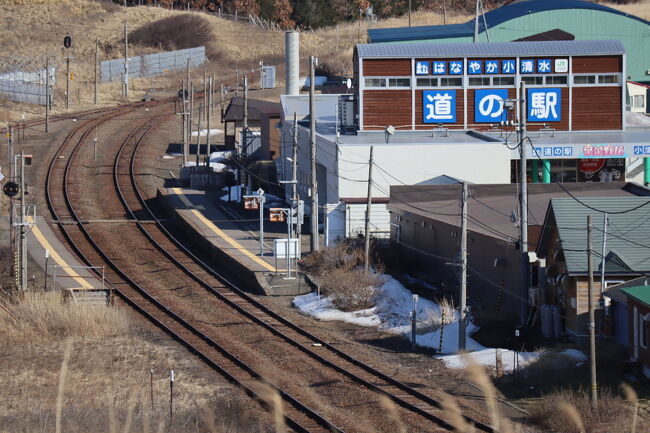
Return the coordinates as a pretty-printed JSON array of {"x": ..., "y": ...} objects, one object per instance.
[
  {"x": 567, "y": 151},
  {"x": 555, "y": 151},
  {"x": 544, "y": 66},
  {"x": 439, "y": 106},
  {"x": 548, "y": 151},
  {"x": 421, "y": 68},
  {"x": 491, "y": 66},
  {"x": 642, "y": 150},
  {"x": 456, "y": 67},
  {"x": 488, "y": 104},
  {"x": 475, "y": 67},
  {"x": 527, "y": 66},
  {"x": 544, "y": 105},
  {"x": 508, "y": 67},
  {"x": 439, "y": 68}
]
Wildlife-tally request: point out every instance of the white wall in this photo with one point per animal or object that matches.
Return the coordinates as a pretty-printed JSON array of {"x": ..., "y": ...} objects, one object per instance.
[{"x": 412, "y": 164}]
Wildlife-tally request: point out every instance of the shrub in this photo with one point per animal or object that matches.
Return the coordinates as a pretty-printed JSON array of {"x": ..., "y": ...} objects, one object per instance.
[{"x": 351, "y": 290}]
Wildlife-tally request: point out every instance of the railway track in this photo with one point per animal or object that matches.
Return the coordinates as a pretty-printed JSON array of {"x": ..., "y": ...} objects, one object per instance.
[{"x": 299, "y": 417}]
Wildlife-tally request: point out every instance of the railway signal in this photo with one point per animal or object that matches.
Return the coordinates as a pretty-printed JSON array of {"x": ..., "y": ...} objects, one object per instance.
[
  {"x": 11, "y": 189},
  {"x": 67, "y": 41}
]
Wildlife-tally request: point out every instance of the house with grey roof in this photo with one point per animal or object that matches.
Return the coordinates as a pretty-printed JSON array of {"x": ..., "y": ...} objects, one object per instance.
[{"x": 620, "y": 252}]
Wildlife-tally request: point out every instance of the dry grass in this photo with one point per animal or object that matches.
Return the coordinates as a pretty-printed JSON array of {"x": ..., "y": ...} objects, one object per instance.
[
  {"x": 568, "y": 411},
  {"x": 78, "y": 369}
]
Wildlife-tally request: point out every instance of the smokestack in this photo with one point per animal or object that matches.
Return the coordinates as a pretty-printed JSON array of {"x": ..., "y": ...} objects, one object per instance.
[{"x": 292, "y": 59}]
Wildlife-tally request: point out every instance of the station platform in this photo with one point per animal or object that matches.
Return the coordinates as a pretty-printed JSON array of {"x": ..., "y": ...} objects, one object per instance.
[
  {"x": 63, "y": 269},
  {"x": 228, "y": 238}
]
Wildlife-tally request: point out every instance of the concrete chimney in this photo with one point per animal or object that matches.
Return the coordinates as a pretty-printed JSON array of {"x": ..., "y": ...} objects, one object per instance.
[{"x": 292, "y": 59}]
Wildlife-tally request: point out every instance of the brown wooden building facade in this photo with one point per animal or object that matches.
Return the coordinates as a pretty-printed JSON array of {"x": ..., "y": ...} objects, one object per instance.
[{"x": 570, "y": 85}]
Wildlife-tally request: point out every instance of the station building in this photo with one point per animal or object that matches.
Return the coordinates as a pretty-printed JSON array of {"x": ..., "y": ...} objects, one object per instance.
[{"x": 438, "y": 112}]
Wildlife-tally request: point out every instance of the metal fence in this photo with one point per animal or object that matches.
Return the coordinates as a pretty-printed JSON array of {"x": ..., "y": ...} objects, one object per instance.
[
  {"x": 24, "y": 85},
  {"x": 152, "y": 64}
]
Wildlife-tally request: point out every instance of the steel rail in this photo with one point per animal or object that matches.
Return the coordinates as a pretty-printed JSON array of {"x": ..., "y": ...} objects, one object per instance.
[
  {"x": 161, "y": 307},
  {"x": 266, "y": 310}
]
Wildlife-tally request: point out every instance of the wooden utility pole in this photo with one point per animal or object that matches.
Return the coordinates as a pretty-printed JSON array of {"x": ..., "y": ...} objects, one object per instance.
[
  {"x": 246, "y": 180},
  {"x": 409, "y": 13},
  {"x": 12, "y": 176},
  {"x": 47, "y": 95},
  {"x": 463, "y": 270},
  {"x": 126, "y": 60},
  {"x": 184, "y": 126},
  {"x": 313, "y": 184},
  {"x": 221, "y": 103},
  {"x": 198, "y": 137},
  {"x": 523, "y": 205},
  {"x": 96, "y": 66},
  {"x": 366, "y": 231},
  {"x": 444, "y": 12},
  {"x": 23, "y": 231},
  {"x": 592, "y": 324}
]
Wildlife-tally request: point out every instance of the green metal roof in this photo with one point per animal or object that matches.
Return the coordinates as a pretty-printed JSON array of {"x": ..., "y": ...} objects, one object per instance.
[
  {"x": 640, "y": 293},
  {"x": 627, "y": 248}
]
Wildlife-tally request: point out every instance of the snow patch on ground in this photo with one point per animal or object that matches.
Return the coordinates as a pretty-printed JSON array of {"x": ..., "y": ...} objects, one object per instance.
[
  {"x": 204, "y": 132},
  {"x": 392, "y": 313}
]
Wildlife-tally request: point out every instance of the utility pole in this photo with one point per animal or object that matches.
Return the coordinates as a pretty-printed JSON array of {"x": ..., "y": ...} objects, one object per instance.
[
  {"x": 601, "y": 303},
  {"x": 126, "y": 61},
  {"x": 244, "y": 146},
  {"x": 184, "y": 126},
  {"x": 476, "y": 22},
  {"x": 12, "y": 176},
  {"x": 592, "y": 325},
  {"x": 294, "y": 160},
  {"x": 221, "y": 102},
  {"x": 463, "y": 271},
  {"x": 444, "y": 12},
  {"x": 523, "y": 205},
  {"x": 23, "y": 234},
  {"x": 366, "y": 230},
  {"x": 47, "y": 94},
  {"x": 409, "y": 13},
  {"x": 67, "y": 82},
  {"x": 207, "y": 119},
  {"x": 312, "y": 155},
  {"x": 96, "y": 65}
]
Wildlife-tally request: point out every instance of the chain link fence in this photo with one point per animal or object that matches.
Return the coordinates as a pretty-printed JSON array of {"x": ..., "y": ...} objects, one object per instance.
[{"x": 152, "y": 64}]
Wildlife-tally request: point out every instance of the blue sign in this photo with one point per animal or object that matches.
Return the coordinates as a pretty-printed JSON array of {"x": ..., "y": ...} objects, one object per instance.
[
  {"x": 475, "y": 67},
  {"x": 526, "y": 66},
  {"x": 421, "y": 68},
  {"x": 439, "y": 68},
  {"x": 439, "y": 106},
  {"x": 545, "y": 105},
  {"x": 641, "y": 150},
  {"x": 556, "y": 151},
  {"x": 508, "y": 67},
  {"x": 491, "y": 66},
  {"x": 488, "y": 105},
  {"x": 544, "y": 66},
  {"x": 456, "y": 67}
]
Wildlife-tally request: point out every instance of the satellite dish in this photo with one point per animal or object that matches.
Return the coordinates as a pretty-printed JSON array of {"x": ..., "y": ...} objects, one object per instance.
[{"x": 348, "y": 83}]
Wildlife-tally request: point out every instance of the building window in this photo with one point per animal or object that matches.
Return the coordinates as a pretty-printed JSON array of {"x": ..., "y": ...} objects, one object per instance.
[
  {"x": 399, "y": 82},
  {"x": 608, "y": 79},
  {"x": 503, "y": 81},
  {"x": 584, "y": 79},
  {"x": 451, "y": 82},
  {"x": 643, "y": 333},
  {"x": 479, "y": 81},
  {"x": 533, "y": 80},
  {"x": 427, "y": 82},
  {"x": 375, "y": 82},
  {"x": 638, "y": 101},
  {"x": 556, "y": 79}
]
